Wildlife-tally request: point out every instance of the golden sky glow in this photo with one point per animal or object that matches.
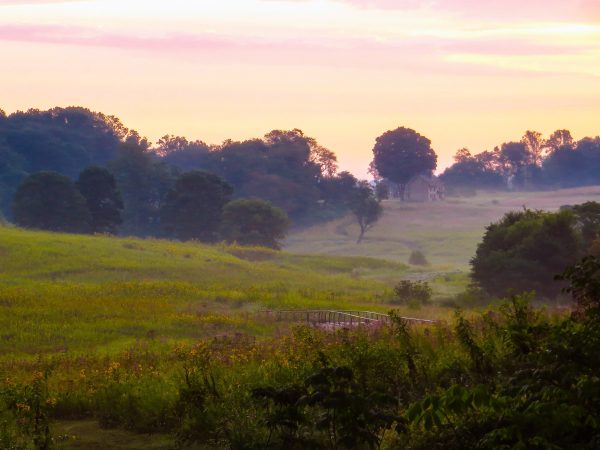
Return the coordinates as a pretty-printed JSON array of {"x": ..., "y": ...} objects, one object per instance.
[{"x": 468, "y": 73}]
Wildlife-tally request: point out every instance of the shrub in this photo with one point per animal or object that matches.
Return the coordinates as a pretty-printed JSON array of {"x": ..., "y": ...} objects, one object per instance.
[
  {"x": 412, "y": 292},
  {"x": 254, "y": 222},
  {"x": 417, "y": 258},
  {"x": 525, "y": 250}
]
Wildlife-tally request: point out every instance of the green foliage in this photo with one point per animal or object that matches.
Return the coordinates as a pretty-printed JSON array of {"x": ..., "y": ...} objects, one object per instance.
[
  {"x": 584, "y": 286},
  {"x": 98, "y": 187},
  {"x": 524, "y": 251},
  {"x": 412, "y": 291},
  {"x": 143, "y": 183},
  {"x": 50, "y": 201},
  {"x": 401, "y": 154},
  {"x": 331, "y": 410},
  {"x": 365, "y": 207},
  {"x": 25, "y": 415},
  {"x": 254, "y": 222},
  {"x": 193, "y": 208},
  {"x": 588, "y": 222}
]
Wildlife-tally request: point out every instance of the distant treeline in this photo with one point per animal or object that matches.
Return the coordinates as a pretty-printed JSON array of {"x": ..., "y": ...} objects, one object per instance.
[
  {"x": 288, "y": 169},
  {"x": 534, "y": 162}
]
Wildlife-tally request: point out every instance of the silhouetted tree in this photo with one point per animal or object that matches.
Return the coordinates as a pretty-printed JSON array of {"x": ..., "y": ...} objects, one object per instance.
[
  {"x": 254, "y": 222},
  {"x": 513, "y": 156},
  {"x": 50, "y": 201},
  {"x": 366, "y": 208},
  {"x": 65, "y": 140},
  {"x": 103, "y": 199},
  {"x": 143, "y": 182},
  {"x": 193, "y": 208},
  {"x": 338, "y": 191},
  {"x": 534, "y": 142},
  {"x": 473, "y": 172},
  {"x": 401, "y": 154},
  {"x": 183, "y": 154},
  {"x": 565, "y": 167},
  {"x": 559, "y": 139}
]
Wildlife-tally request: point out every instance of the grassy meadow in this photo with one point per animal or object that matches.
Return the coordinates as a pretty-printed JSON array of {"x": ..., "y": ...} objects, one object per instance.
[
  {"x": 110, "y": 330},
  {"x": 446, "y": 232},
  {"x": 75, "y": 294}
]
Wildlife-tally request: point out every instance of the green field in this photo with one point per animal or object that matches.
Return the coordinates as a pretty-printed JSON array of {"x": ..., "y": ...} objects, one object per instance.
[
  {"x": 446, "y": 232},
  {"x": 71, "y": 294},
  {"x": 110, "y": 318}
]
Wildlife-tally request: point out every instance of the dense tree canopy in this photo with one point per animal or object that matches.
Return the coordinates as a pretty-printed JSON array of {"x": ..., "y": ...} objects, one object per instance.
[
  {"x": 103, "y": 199},
  {"x": 285, "y": 167},
  {"x": 193, "y": 208},
  {"x": 143, "y": 182},
  {"x": 473, "y": 172},
  {"x": 50, "y": 201},
  {"x": 525, "y": 250},
  {"x": 533, "y": 163},
  {"x": 254, "y": 222},
  {"x": 401, "y": 154}
]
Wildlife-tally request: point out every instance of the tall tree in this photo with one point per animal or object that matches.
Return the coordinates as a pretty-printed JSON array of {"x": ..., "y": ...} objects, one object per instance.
[
  {"x": 366, "y": 208},
  {"x": 193, "y": 208},
  {"x": 103, "y": 199},
  {"x": 513, "y": 156},
  {"x": 143, "y": 182},
  {"x": 534, "y": 142},
  {"x": 254, "y": 222},
  {"x": 50, "y": 201},
  {"x": 401, "y": 154},
  {"x": 559, "y": 139}
]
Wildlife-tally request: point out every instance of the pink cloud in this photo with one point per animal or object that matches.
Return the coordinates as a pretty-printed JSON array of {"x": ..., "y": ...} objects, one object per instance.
[
  {"x": 493, "y": 9},
  {"x": 416, "y": 55}
]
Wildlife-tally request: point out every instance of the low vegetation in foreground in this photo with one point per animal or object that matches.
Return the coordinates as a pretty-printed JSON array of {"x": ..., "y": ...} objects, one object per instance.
[{"x": 160, "y": 338}]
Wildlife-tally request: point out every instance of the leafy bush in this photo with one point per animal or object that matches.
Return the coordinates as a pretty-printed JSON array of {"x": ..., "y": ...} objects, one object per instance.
[
  {"x": 412, "y": 291},
  {"x": 417, "y": 258},
  {"x": 25, "y": 415},
  {"x": 524, "y": 251}
]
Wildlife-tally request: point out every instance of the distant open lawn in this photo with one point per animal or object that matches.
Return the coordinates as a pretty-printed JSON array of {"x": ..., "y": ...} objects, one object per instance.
[{"x": 446, "y": 232}]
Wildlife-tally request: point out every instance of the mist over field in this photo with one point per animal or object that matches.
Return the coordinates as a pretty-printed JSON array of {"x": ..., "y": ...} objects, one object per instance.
[{"x": 299, "y": 224}]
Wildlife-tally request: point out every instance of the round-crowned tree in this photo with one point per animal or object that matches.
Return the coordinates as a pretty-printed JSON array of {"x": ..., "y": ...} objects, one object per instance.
[
  {"x": 193, "y": 209},
  {"x": 525, "y": 250},
  {"x": 254, "y": 222},
  {"x": 99, "y": 188},
  {"x": 401, "y": 154},
  {"x": 50, "y": 201}
]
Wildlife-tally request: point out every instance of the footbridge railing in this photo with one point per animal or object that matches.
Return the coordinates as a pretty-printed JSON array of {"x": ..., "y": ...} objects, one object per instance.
[{"x": 336, "y": 318}]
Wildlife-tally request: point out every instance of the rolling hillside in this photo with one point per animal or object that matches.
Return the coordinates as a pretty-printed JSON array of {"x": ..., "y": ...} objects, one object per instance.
[
  {"x": 67, "y": 293},
  {"x": 446, "y": 232}
]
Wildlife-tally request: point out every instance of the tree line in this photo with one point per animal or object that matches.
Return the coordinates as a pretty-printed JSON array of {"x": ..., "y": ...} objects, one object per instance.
[
  {"x": 286, "y": 168},
  {"x": 173, "y": 188},
  {"x": 534, "y": 162}
]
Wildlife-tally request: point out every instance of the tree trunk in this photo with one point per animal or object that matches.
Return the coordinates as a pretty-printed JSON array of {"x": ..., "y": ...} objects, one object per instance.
[{"x": 362, "y": 234}]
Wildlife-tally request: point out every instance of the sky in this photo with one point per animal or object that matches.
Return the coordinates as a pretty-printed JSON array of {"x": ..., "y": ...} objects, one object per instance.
[{"x": 464, "y": 73}]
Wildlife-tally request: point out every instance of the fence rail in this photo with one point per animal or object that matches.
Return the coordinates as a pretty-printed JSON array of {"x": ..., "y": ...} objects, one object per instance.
[{"x": 337, "y": 318}]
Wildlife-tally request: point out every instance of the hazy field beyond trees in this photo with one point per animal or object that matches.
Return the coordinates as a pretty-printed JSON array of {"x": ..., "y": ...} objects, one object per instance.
[{"x": 446, "y": 232}]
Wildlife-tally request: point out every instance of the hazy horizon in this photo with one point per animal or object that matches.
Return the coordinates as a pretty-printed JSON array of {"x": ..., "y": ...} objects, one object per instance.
[{"x": 461, "y": 72}]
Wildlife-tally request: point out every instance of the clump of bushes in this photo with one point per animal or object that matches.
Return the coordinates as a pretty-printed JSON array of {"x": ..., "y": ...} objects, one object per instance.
[
  {"x": 412, "y": 293},
  {"x": 417, "y": 258}
]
